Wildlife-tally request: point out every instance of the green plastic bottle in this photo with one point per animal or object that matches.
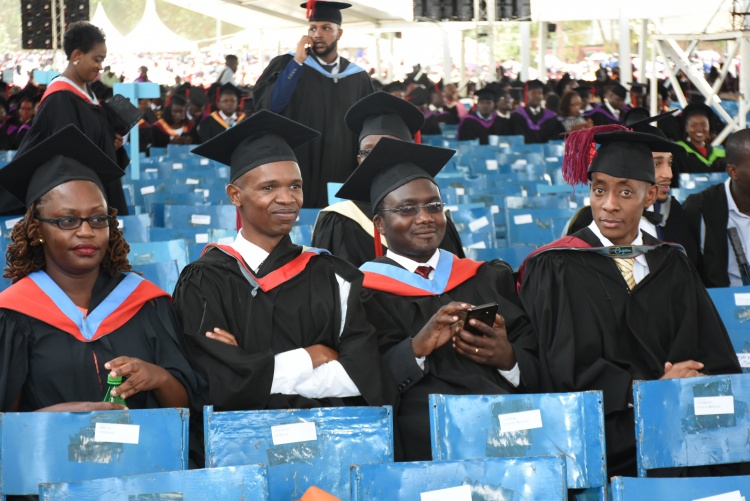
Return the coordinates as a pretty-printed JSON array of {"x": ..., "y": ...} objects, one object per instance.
[{"x": 113, "y": 383}]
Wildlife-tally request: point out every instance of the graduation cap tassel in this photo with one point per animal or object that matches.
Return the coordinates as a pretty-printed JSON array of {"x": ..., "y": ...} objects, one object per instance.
[
  {"x": 579, "y": 150},
  {"x": 310, "y": 8}
]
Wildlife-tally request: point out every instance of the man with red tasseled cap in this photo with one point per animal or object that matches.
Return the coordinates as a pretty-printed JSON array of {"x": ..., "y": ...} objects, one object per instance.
[
  {"x": 315, "y": 86},
  {"x": 532, "y": 121},
  {"x": 611, "y": 304}
]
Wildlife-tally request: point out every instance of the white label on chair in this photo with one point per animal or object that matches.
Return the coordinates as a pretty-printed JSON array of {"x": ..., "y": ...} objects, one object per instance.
[
  {"x": 177, "y": 166},
  {"x": 519, "y": 421},
  {"x": 491, "y": 164},
  {"x": 572, "y": 204},
  {"x": 709, "y": 406},
  {"x": 729, "y": 496},
  {"x": 521, "y": 161},
  {"x": 478, "y": 224},
  {"x": 117, "y": 433},
  {"x": 744, "y": 359},
  {"x": 701, "y": 178},
  {"x": 147, "y": 190},
  {"x": 10, "y": 223},
  {"x": 550, "y": 159},
  {"x": 192, "y": 180},
  {"x": 504, "y": 145},
  {"x": 293, "y": 433},
  {"x": 151, "y": 170},
  {"x": 587, "y": 201},
  {"x": 477, "y": 245},
  {"x": 452, "y": 208},
  {"x": 495, "y": 209},
  {"x": 200, "y": 219},
  {"x": 205, "y": 161},
  {"x": 742, "y": 299},
  {"x": 460, "y": 493},
  {"x": 523, "y": 219},
  {"x": 121, "y": 224},
  {"x": 460, "y": 191},
  {"x": 201, "y": 238}
]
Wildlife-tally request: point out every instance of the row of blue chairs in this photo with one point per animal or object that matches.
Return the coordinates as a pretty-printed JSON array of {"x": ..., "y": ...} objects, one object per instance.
[{"x": 679, "y": 423}]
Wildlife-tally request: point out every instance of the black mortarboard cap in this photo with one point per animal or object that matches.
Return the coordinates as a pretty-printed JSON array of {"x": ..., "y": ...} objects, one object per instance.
[
  {"x": 618, "y": 90},
  {"x": 390, "y": 165},
  {"x": 258, "y": 140},
  {"x": 383, "y": 113},
  {"x": 486, "y": 95},
  {"x": 584, "y": 89},
  {"x": 534, "y": 84},
  {"x": 228, "y": 88},
  {"x": 636, "y": 114},
  {"x": 626, "y": 154},
  {"x": 396, "y": 86},
  {"x": 700, "y": 109},
  {"x": 324, "y": 11},
  {"x": 419, "y": 96},
  {"x": 198, "y": 96},
  {"x": 177, "y": 100},
  {"x": 68, "y": 155}
]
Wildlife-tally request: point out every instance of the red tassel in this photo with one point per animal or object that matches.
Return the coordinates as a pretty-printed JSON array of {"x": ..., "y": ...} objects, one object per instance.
[
  {"x": 580, "y": 150},
  {"x": 378, "y": 243},
  {"x": 310, "y": 8}
]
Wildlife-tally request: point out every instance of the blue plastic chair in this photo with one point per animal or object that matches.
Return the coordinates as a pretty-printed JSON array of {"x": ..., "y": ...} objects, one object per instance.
[
  {"x": 694, "y": 183},
  {"x": 46, "y": 447},
  {"x": 246, "y": 483},
  {"x": 164, "y": 274},
  {"x": 510, "y": 142},
  {"x": 321, "y": 453},
  {"x": 536, "y": 226},
  {"x": 135, "y": 228},
  {"x": 471, "y": 426},
  {"x": 213, "y": 216},
  {"x": 530, "y": 479},
  {"x": 475, "y": 225},
  {"x": 733, "y": 305},
  {"x": 159, "y": 252},
  {"x": 671, "y": 433},
  {"x": 638, "y": 489},
  {"x": 514, "y": 255}
]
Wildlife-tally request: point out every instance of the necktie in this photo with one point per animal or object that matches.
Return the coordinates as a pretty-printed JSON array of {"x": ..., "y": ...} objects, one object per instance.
[
  {"x": 625, "y": 265},
  {"x": 423, "y": 271},
  {"x": 231, "y": 122},
  {"x": 329, "y": 67}
]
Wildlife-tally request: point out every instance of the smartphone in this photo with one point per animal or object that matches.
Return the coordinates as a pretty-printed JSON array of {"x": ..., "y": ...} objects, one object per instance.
[{"x": 483, "y": 313}]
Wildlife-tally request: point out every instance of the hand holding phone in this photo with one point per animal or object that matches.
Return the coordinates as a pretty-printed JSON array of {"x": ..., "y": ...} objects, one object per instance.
[
  {"x": 484, "y": 313},
  {"x": 304, "y": 48}
]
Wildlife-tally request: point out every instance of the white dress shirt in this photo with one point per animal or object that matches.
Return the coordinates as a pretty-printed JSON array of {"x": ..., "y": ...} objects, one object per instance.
[
  {"x": 228, "y": 119},
  {"x": 615, "y": 113},
  {"x": 293, "y": 372},
  {"x": 513, "y": 375},
  {"x": 640, "y": 266}
]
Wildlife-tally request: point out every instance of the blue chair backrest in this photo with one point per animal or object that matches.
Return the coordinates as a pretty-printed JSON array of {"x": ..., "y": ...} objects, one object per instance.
[
  {"x": 135, "y": 228},
  {"x": 213, "y": 216},
  {"x": 247, "y": 483},
  {"x": 693, "y": 488},
  {"x": 158, "y": 252},
  {"x": 535, "y": 478},
  {"x": 164, "y": 274},
  {"x": 733, "y": 305},
  {"x": 513, "y": 255},
  {"x": 302, "y": 447},
  {"x": 472, "y": 426},
  {"x": 42, "y": 447},
  {"x": 475, "y": 225},
  {"x": 307, "y": 217},
  {"x": 8, "y": 222},
  {"x": 692, "y": 422},
  {"x": 536, "y": 226},
  {"x": 510, "y": 142}
]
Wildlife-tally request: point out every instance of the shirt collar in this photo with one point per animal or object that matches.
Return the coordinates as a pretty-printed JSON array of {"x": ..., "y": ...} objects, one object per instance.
[
  {"x": 410, "y": 264},
  {"x": 614, "y": 112},
  {"x": 479, "y": 115},
  {"x": 503, "y": 115},
  {"x": 607, "y": 243},
  {"x": 226, "y": 118},
  {"x": 731, "y": 204},
  {"x": 251, "y": 253},
  {"x": 536, "y": 110}
]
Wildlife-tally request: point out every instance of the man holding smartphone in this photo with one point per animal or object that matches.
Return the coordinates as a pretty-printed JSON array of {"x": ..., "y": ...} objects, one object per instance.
[
  {"x": 315, "y": 86},
  {"x": 417, "y": 296}
]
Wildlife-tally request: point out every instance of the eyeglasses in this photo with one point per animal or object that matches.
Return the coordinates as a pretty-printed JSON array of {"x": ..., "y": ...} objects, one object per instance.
[
  {"x": 413, "y": 210},
  {"x": 73, "y": 223},
  {"x": 364, "y": 153}
]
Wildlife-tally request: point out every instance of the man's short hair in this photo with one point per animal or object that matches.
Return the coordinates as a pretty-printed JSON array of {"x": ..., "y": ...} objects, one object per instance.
[
  {"x": 738, "y": 146},
  {"x": 231, "y": 57}
]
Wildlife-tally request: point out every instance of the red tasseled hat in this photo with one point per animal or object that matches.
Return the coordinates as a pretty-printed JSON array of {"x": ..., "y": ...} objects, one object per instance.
[{"x": 580, "y": 149}]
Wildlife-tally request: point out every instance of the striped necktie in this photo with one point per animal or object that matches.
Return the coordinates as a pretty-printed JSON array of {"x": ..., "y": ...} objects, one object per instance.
[
  {"x": 625, "y": 265},
  {"x": 423, "y": 271}
]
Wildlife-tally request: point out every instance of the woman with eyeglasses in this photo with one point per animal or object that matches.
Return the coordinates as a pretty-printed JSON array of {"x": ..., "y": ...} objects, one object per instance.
[{"x": 75, "y": 313}]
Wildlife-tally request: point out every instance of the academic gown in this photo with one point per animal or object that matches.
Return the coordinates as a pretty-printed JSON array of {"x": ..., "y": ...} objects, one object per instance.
[
  {"x": 320, "y": 101},
  {"x": 535, "y": 128},
  {"x": 398, "y": 317},
  {"x": 473, "y": 127},
  {"x": 715, "y": 161},
  {"x": 47, "y": 365},
  {"x": 676, "y": 230},
  {"x": 601, "y": 115},
  {"x": 58, "y": 110},
  {"x": 213, "y": 125},
  {"x": 596, "y": 334},
  {"x": 348, "y": 239},
  {"x": 296, "y": 313},
  {"x": 164, "y": 133}
]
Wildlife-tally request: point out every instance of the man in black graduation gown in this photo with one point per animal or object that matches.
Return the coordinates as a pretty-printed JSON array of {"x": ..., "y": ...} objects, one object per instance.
[
  {"x": 612, "y": 304},
  {"x": 714, "y": 210},
  {"x": 532, "y": 121},
  {"x": 417, "y": 296},
  {"x": 484, "y": 121},
  {"x": 611, "y": 107},
  {"x": 227, "y": 116},
  {"x": 346, "y": 228},
  {"x": 315, "y": 87},
  {"x": 665, "y": 219},
  {"x": 274, "y": 325}
]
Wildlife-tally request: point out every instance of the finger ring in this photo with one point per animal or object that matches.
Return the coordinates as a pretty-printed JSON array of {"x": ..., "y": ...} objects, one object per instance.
[{"x": 476, "y": 351}]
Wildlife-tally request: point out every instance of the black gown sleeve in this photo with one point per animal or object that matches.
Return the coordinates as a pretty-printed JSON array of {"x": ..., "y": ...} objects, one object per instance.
[
  {"x": 344, "y": 238},
  {"x": 15, "y": 332},
  {"x": 263, "y": 88}
]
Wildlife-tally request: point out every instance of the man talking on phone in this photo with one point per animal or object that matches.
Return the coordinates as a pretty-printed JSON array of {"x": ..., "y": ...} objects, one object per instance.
[
  {"x": 417, "y": 296},
  {"x": 315, "y": 86}
]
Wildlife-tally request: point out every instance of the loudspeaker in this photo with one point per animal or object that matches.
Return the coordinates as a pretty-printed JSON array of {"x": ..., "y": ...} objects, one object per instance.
[
  {"x": 76, "y": 10},
  {"x": 36, "y": 20},
  {"x": 551, "y": 28}
]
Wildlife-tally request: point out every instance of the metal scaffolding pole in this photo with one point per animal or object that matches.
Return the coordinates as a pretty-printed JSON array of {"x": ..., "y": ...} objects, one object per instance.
[
  {"x": 541, "y": 64},
  {"x": 525, "y": 50},
  {"x": 643, "y": 51},
  {"x": 626, "y": 68}
]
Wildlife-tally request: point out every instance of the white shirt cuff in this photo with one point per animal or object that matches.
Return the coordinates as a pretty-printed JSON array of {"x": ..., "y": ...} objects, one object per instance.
[
  {"x": 420, "y": 362},
  {"x": 290, "y": 367},
  {"x": 513, "y": 376},
  {"x": 329, "y": 380}
]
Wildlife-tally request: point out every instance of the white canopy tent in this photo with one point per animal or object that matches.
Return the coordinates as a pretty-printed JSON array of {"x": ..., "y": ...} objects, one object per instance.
[
  {"x": 151, "y": 35},
  {"x": 115, "y": 41}
]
